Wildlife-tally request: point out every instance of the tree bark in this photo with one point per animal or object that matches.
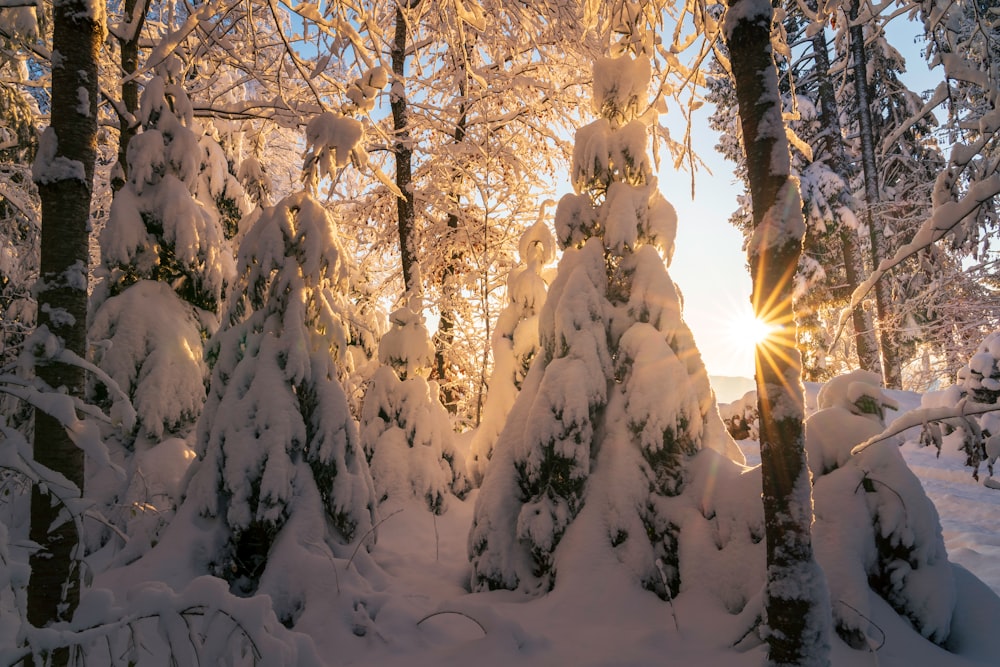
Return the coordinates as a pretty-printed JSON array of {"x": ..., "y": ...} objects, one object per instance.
[
  {"x": 865, "y": 343},
  {"x": 796, "y": 603},
  {"x": 446, "y": 323},
  {"x": 891, "y": 371},
  {"x": 405, "y": 206},
  {"x": 129, "y": 57},
  {"x": 65, "y": 184}
]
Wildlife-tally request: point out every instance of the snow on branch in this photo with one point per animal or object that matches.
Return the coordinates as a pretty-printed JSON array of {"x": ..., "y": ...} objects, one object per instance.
[
  {"x": 920, "y": 417},
  {"x": 946, "y": 218}
]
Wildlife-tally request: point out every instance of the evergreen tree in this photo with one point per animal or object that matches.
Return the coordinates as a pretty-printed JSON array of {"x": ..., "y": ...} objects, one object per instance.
[
  {"x": 515, "y": 342},
  {"x": 277, "y": 434},
  {"x": 150, "y": 336},
  {"x": 405, "y": 431},
  {"x": 897, "y": 553},
  {"x": 589, "y": 442}
]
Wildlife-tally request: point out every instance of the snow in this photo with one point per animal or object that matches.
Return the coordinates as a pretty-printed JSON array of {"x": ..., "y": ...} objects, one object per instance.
[
  {"x": 602, "y": 617},
  {"x": 50, "y": 167}
]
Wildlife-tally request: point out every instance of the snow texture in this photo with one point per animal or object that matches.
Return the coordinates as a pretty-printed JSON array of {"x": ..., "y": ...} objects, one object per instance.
[
  {"x": 277, "y": 420},
  {"x": 150, "y": 342}
]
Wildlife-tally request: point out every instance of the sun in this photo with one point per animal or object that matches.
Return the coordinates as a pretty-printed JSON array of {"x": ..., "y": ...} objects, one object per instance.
[{"x": 747, "y": 330}]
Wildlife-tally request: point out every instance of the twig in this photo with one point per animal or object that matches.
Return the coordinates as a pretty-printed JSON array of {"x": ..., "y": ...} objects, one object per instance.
[
  {"x": 368, "y": 532},
  {"x": 459, "y": 613}
]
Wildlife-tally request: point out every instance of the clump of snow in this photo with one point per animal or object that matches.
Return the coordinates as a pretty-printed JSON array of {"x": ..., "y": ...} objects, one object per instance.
[
  {"x": 981, "y": 376},
  {"x": 850, "y": 410},
  {"x": 407, "y": 347},
  {"x": 49, "y": 166},
  {"x": 364, "y": 90},
  {"x": 621, "y": 85},
  {"x": 331, "y": 141},
  {"x": 150, "y": 342}
]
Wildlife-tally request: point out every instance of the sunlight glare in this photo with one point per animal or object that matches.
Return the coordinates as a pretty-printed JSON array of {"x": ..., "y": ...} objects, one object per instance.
[{"x": 747, "y": 331}]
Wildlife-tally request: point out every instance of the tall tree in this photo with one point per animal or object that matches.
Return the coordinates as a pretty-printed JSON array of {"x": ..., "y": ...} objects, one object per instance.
[
  {"x": 588, "y": 441},
  {"x": 798, "y": 617},
  {"x": 888, "y": 335},
  {"x": 403, "y": 150},
  {"x": 64, "y": 173},
  {"x": 832, "y": 136}
]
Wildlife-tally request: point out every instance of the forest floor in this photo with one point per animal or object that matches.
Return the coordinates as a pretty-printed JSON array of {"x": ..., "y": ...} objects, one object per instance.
[{"x": 609, "y": 621}]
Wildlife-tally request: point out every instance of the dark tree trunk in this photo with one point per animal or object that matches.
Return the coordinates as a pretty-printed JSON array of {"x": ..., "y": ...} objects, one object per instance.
[
  {"x": 891, "y": 371},
  {"x": 129, "y": 57},
  {"x": 405, "y": 206},
  {"x": 796, "y": 603},
  {"x": 833, "y": 144},
  {"x": 64, "y": 184},
  {"x": 446, "y": 323}
]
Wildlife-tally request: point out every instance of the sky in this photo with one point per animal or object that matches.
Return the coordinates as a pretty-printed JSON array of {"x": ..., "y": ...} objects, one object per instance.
[{"x": 709, "y": 264}]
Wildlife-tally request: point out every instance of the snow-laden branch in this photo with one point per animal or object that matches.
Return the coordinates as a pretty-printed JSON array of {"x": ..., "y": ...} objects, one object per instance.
[
  {"x": 940, "y": 96},
  {"x": 920, "y": 417},
  {"x": 944, "y": 220}
]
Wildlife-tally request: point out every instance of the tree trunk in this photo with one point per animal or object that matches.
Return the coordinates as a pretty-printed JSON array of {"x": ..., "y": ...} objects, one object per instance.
[
  {"x": 796, "y": 602},
  {"x": 129, "y": 58},
  {"x": 65, "y": 185},
  {"x": 833, "y": 143},
  {"x": 446, "y": 323},
  {"x": 405, "y": 206},
  {"x": 891, "y": 372}
]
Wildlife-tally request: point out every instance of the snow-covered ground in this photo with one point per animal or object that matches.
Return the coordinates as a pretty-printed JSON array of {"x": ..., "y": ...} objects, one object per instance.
[
  {"x": 407, "y": 602},
  {"x": 603, "y": 618}
]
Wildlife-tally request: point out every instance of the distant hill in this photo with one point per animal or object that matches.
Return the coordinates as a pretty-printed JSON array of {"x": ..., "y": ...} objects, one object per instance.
[{"x": 729, "y": 389}]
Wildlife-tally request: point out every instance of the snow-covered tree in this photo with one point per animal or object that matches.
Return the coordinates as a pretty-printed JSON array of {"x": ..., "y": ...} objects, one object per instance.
[
  {"x": 593, "y": 443},
  {"x": 64, "y": 173},
  {"x": 166, "y": 264},
  {"x": 405, "y": 431},
  {"x": 797, "y": 614},
  {"x": 515, "y": 342},
  {"x": 875, "y": 528},
  {"x": 969, "y": 424},
  {"x": 277, "y": 434},
  {"x": 964, "y": 39}
]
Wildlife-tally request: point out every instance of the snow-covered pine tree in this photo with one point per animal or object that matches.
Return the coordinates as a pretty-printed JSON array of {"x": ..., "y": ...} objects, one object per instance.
[
  {"x": 617, "y": 401},
  {"x": 515, "y": 342},
  {"x": 875, "y": 528},
  {"x": 977, "y": 434},
  {"x": 277, "y": 430},
  {"x": 405, "y": 430}
]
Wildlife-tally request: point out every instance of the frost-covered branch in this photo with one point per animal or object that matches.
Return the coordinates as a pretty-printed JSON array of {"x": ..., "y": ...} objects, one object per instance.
[
  {"x": 920, "y": 417},
  {"x": 946, "y": 218}
]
